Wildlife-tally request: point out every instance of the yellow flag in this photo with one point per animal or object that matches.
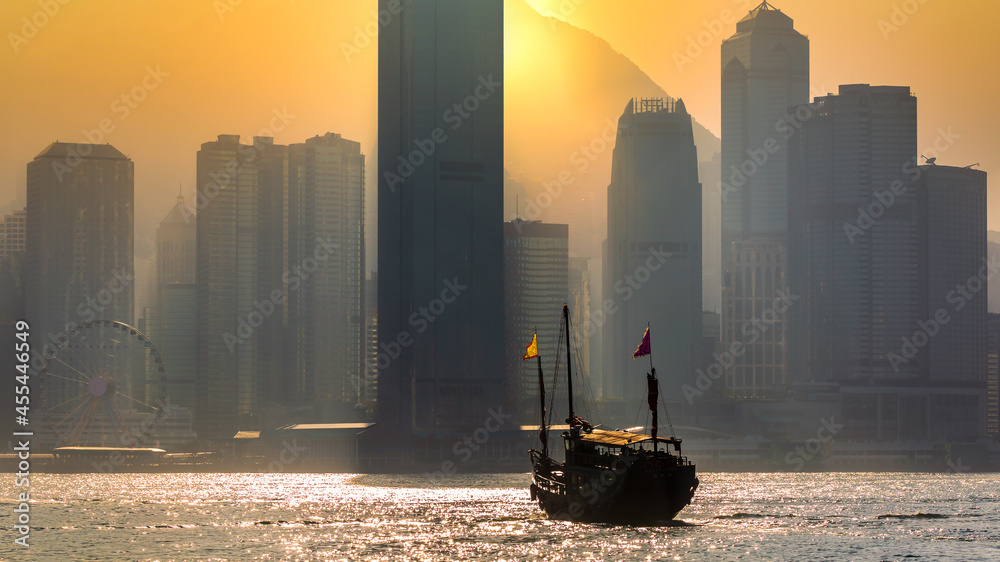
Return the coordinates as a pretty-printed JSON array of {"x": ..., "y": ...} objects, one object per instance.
[{"x": 532, "y": 350}]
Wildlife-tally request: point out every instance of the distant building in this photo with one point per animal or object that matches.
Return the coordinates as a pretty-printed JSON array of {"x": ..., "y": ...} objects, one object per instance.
[
  {"x": 440, "y": 214},
  {"x": 13, "y": 233},
  {"x": 652, "y": 262},
  {"x": 536, "y": 274},
  {"x": 993, "y": 376},
  {"x": 370, "y": 388},
  {"x": 579, "y": 310},
  {"x": 881, "y": 252},
  {"x": 242, "y": 259},
  {"x": 176, "y": 246},
  {"x": 754, "y": 304},
  {"x": 765, "y": 70},
  {"x": 326, "y": 314},
  {"x": 172, "y": 324}
]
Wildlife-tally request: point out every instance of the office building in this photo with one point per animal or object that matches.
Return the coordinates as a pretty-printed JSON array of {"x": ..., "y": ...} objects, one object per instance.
[
  {"x": 326, "y": 183},
  {"x": 242, "y": 253},
  {"x": 536, "y": 275},
  {"x": 440, "y": 214},
  {"x": 652, "y": 262}
]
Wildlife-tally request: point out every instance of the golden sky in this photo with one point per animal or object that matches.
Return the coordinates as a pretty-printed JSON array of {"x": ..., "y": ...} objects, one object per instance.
[{"x": 201, "y": 69}]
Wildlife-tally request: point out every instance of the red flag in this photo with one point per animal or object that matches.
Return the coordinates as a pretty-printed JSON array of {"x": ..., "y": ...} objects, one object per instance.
[{"x": 643, "y": 349}]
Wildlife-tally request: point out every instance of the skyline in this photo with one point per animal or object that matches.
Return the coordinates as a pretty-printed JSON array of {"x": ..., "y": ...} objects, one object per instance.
[{"x": 306, "y": 84}]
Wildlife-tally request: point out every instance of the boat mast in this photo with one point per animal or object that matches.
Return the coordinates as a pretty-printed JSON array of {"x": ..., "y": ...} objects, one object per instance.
[{"x": 569, "y": 367}]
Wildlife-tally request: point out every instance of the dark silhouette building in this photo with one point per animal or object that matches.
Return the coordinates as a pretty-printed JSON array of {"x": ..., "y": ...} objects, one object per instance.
[
  {"x": 881, "y": 252},
  {"x": 652, "y": 262},
  {"x": 440, "y": 214}
]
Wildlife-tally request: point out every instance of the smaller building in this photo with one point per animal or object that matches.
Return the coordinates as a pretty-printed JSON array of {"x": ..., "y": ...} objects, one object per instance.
[{"x": 12, "y": 233}]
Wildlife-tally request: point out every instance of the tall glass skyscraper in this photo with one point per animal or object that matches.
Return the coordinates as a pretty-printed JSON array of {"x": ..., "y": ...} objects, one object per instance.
[
  {"x": 652, "y": 262},
  {"x": 440, "y": 213},
  {"x": 765, "y": 70}
]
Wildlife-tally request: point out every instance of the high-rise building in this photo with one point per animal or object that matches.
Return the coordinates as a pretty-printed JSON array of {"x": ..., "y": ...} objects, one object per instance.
[
  {"x": 370, "y": 387},
  {"x": 859, "y": 291},
  {"x": 579, "y": 310},
  {"x": 887, "y": 258},
  {"x": 176, "y": 250},
  {"x": 79, "y": 237},
  {"x": 12, "y": 233},
  {"x": 173, "y": 323},
  {"x": 652, "y": 262},
  {"x": 754, "y": 304},
  {"x": 440, "y": 213},
  {"x": 536, "y": 274},
  {"x": 765, "y": 70},
  {"x": 243, "y": 279},
  {"x": 326, "y": 185},
  {"x": 993, "y": 375}
]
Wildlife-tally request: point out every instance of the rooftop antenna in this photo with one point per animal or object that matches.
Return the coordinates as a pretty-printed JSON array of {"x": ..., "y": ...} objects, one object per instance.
[
  {"x": 971, "y": 165},
  {"x": 517, "y": 207},
  {"x": 180, "y": 192},
  {"x": 930, "y": 161}
]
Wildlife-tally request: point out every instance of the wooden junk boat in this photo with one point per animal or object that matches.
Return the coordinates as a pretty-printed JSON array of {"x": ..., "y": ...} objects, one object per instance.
[{"x": 611, "y": 476}]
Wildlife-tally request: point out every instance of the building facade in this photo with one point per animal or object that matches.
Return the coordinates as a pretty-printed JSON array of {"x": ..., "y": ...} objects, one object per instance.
[
  {"x": 176, "y": 246},
  {"x": 887, "y": 258},
  {"x": 440, "y": 213},
  {"x": 242, "y": 259},
  {"x": 754, "y": 302},
  {"x": 13, "y": 233},
  {"x": 326, "y": 182},
  {"x": 536, "y": 274},
  {"x": 652, "y": 262}
]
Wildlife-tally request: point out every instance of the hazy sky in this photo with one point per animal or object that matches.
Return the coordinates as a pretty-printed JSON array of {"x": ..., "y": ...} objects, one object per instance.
[{"x": 165, "y": 76}]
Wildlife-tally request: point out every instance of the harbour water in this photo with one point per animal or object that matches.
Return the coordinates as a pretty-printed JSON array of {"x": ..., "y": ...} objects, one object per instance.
[{"x": 797, "y": 516}]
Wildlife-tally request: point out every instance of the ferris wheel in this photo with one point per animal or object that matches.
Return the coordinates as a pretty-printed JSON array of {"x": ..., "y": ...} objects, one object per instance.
[{"x": 94, "y": 380}]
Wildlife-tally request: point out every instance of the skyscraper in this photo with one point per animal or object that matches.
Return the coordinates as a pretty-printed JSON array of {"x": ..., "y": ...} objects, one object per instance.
[
  {"x": 12, "y": 233},
  {"x": 326, "y": 184},
  {"x": 652, "y": 266},
  {"x": 173, "y": 323},
  {"x": 889, "y": 260},
  {"x": 536, "y": 275},
  {"x": 440, "y": 213},
  {"x": 79, "y": 237},
  {"x": 241, "y": 271},
  {"x": 765, "y": 70},
  {"x": 176, "y": 251}
]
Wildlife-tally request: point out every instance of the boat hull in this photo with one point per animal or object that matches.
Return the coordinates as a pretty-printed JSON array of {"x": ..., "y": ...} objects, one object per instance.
[{"x": 637, "y": 495}]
